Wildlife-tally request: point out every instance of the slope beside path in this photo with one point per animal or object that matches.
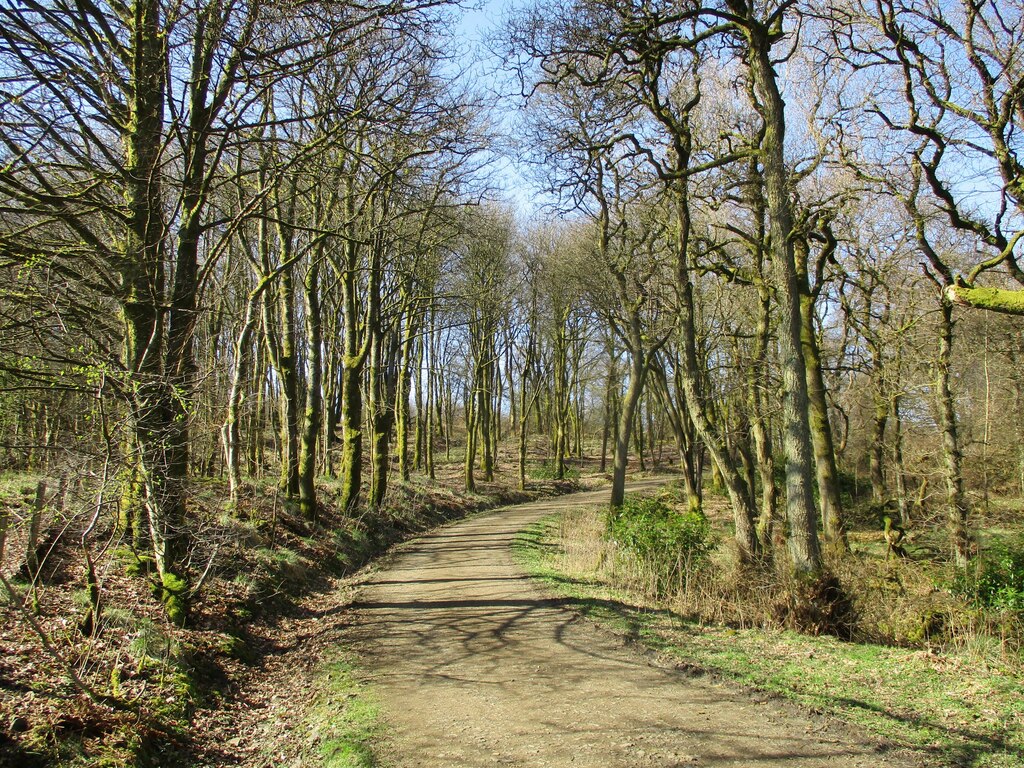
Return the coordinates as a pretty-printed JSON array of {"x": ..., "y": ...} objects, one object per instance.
[{"x": 475, "y": 666}]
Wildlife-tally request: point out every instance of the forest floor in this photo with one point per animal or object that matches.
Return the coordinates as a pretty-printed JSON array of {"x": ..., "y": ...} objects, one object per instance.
[
  {"x": 237, "y": 685},
  {"x": 442, "y": 653},
  {"x": 473, "y": 665}
]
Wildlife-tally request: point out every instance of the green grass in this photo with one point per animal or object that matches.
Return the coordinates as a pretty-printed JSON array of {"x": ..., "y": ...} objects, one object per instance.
[
  {"x": 344, "y": 719},
  {"x": 956, "y": 713},
  {"x": 547, "y": 470}
]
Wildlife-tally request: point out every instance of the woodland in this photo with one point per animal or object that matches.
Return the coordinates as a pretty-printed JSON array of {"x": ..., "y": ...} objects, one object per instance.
[{"x": 261, "y": 287}]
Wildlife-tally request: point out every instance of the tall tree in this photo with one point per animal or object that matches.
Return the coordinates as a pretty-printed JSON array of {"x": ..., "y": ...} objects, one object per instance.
[
  {"x": 124, "y": 122},
  {"x": 485, "y": 282}
]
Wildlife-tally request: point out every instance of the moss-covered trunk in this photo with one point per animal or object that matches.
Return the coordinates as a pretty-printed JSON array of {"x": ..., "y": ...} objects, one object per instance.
[
  {"x": 313, "y": 410},
  {"x": 159, "y": 409},
  {"x": 826, "y": 473},
  {"x": 958, "y": 511},
  {"x": 876, "y": 458},
  {"x": 403, "y": 405},
  {"x": 744, "y": 514},
  {"x": 231, "y": 430},
  {"x": 385, "y": 350},
  {"x": 804, "y": 547}
]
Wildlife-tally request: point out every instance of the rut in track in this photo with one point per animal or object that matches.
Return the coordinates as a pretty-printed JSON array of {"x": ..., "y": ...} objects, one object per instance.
[{"x": 476, "y": 667}]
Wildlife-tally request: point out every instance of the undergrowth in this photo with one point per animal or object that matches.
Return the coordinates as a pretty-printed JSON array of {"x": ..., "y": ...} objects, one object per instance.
[
  {"x": 548, "y": 470},
  {"x": 664, "y": 548},
  {"x": 996, "y": 578},
  {"x": 148, "y": 674}
]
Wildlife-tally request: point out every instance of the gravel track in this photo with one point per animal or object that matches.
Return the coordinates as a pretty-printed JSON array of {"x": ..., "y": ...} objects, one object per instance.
[{"x": 476, "y": 666}]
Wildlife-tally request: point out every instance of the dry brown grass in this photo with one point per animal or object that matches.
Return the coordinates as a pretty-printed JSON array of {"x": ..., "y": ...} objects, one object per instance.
[{"x": 888, "y": 601}]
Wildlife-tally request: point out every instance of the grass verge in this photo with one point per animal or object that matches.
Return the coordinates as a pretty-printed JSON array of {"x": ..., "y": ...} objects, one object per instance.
[
  {"x": 953, "y": 712},
  {"x": 344, "y": 720}
]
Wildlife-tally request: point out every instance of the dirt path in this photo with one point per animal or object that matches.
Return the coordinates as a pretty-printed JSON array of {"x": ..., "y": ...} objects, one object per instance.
[{"x": 476, "y": 667}]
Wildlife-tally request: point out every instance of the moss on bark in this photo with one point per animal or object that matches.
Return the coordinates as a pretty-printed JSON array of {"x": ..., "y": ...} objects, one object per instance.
[{"x": 992, "y": 299}]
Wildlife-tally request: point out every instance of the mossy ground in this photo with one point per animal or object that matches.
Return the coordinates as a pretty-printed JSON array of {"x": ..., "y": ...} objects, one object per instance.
[{"x": 344, "y": 720}]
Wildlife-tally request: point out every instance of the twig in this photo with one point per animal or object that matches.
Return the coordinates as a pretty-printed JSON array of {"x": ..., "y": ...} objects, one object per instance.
[{"x": 206, "y": 572}]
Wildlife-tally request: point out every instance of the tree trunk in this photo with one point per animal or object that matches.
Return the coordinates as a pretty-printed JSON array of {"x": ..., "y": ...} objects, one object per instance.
[
  {"x": 356, "y": 349},
  {"x": 230, "y": 431},
  {"x": 257, "y": 422},
  {"x": 402, "y": 406},
  {"x": 485, "y": 422},
  {"x": 428, "y": 436},
  {"x": 877, "y": 454},
  {"x": 385, "y": 372},
  {"x": 351, "y": 434},
  {"x": 821, "y": 430},
  {"x": 804, "y": 548},
  {"x": 637, "y": 374},
  {"x": 898, "y": 467},
  {"x": 638, "y": 436},
  {"x": 689, "y": 376},
  {"x": 759, "y": 423},
  {"x": 419, "y": 449},
  {"x": 159, "y": 414},
  {"x": 606, "y": 430},
  {"x": 526, "y": 404},
  {"x": 288, "y": 371},
  {"x": 560, "y": 398},
  {"x": 956, "y": 500},
  {"x": 471, "y": 430},
  {"x": 313, "y": 412}
]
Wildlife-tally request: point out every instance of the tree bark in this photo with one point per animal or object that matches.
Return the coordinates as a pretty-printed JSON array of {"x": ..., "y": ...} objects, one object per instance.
[
  {"x": 1009, "y": 302},
  {"x": 876, "y": 458},
  {"x": 744, "y": 515},
  {"x": 826, "y": 473},
  {"x": 956, "y": 500},
  {"x": 560, "y": 365},
  {"x": 159, "y": 415},
  {"x": 353, "y": 359},
  {"x": 472, "y": 416},
  {"x": 637, "y": 375},
  {"x": 804, "y": 547},
  {"x": 313, "y": 411},
  {"x": 383, "y": 386},
  {"x": 403, "y": 407},
  {"x": 899, "y": 471},
  {"x": 230, "y": 431}
]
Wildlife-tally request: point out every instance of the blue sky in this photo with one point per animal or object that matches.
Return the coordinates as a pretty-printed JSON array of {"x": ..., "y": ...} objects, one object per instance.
[
  {"x": 483, "y": 16},
  {"x": 478, "y": 20}
]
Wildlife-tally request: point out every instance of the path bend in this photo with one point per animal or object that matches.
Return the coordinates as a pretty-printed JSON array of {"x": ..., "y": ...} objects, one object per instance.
[{"x": 475, "y": 666}]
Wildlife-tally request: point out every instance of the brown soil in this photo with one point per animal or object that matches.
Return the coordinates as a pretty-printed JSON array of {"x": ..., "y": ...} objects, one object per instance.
[
  {"x": 476, "y": 666},
  {"x": 260, "y": 720}
]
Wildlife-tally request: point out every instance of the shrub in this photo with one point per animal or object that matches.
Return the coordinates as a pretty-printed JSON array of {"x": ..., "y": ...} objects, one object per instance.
[
  {"x": 996, "y": 578},
  {"x": 668, "y": 545},
  {"x": 548, "y": 470}
]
